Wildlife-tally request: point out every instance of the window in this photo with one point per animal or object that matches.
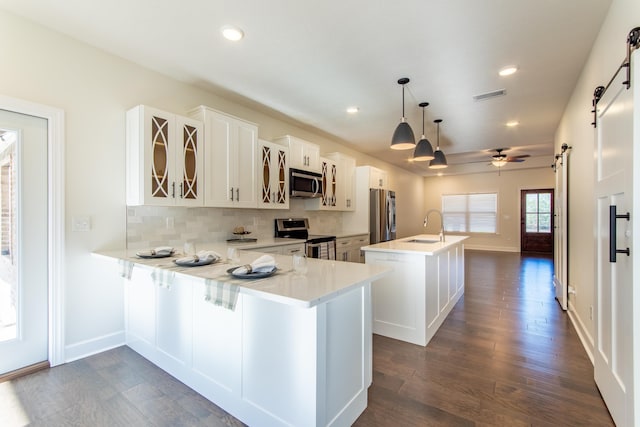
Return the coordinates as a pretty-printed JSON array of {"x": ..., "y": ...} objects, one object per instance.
[
  {"x": 538, "y": 213},
  {"x": 470, "y": 213}
]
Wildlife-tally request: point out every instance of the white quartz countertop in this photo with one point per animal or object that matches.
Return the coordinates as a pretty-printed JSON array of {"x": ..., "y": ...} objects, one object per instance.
[
  {"x": 426, "y": 244},
  {"x": 324, "y": 280}
]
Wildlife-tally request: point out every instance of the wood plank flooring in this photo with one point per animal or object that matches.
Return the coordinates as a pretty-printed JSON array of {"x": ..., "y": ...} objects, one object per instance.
[{"x": 505, "y": 356}]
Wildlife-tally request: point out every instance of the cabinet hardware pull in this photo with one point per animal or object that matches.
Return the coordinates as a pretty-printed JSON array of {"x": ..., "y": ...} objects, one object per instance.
[
  {"x": 613, "y": 246},
  {"x": 237, "y": 194},
  {"x": 173, "y": 190},
  {"x": 232, "y": 194}
]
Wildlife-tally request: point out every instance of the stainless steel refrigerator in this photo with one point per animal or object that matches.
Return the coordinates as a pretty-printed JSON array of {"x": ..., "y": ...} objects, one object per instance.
[{"x": 382, "y": 215}]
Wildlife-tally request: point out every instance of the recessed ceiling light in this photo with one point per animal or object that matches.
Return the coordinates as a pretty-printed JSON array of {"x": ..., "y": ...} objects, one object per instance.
[
  {"x": 352, "y": 110},
  {"x": 440, "y": 174},
  {"x": 232, "y": 33},
  {"x": 512, "y": 123},
  {"x": 507, "y": 71}
]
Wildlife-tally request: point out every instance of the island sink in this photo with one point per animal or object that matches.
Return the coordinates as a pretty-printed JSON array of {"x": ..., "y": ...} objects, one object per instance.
[{"x": 422, "y": 241}]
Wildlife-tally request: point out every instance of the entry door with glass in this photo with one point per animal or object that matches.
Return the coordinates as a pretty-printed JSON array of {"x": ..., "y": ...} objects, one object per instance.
[
  {"x": 536, "y": 223},
  {"x": 23, "y": 241}
]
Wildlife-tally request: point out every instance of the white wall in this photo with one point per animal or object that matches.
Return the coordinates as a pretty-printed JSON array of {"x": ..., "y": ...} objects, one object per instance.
[
  {"x": 95, "y": 89},
  {"x": 508, "y": 185},
  {"x": 575, "y": 129}
]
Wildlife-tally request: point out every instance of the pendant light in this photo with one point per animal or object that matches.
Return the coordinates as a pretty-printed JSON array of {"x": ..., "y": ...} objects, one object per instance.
[
  {"x": 424, "y": 150},
  {"x": 403, "y": 138},
  {"x": 439, "y": 161}
]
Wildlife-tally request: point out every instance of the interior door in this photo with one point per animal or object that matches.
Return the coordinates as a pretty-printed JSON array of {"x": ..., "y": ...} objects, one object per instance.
[
  {"x": 561, "y": 232},
  {"x": 615, "y": 327},
  {"x": 536, "y": 221},
  {"x": 23, "y": 231}
]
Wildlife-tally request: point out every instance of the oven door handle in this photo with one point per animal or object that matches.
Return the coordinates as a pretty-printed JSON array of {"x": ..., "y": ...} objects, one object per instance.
[{"x": 315, "y": 187}]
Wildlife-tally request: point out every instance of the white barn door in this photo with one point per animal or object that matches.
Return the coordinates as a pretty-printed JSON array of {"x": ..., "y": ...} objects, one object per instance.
[{"x": 617, "y": 303}]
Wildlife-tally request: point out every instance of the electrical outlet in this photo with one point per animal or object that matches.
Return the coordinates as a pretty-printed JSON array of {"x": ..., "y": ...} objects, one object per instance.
[
  {"x": 81, "y": 223},
  {"x": 170, "y": 223}
]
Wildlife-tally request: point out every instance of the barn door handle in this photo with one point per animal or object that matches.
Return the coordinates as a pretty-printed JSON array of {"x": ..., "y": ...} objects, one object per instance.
[{"x": 613, "y": 247}]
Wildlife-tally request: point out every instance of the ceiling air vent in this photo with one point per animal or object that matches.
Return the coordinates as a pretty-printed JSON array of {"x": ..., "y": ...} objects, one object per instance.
[{"x": 489, "y": 95}]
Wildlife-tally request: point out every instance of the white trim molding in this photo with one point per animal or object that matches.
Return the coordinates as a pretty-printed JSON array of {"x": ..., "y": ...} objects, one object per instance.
[{"x": 56, "y": 223}]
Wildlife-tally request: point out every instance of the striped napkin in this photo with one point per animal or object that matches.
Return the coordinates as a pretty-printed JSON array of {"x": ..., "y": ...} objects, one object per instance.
[
  {"x": 221, "y": 294},
  {"x": 126, "y": 268},
  {"x": 162, "y": 278}
]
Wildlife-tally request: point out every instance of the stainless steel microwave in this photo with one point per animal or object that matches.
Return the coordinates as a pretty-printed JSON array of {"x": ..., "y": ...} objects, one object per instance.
[{"x": 304, "y": 184}]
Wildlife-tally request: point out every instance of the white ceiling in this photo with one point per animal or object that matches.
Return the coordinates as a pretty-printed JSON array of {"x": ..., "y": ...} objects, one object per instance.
[{"x": 311, "y": 59}]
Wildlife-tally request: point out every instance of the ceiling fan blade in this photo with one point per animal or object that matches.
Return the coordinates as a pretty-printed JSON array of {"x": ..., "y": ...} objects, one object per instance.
[
  {"x": 514, "y": 160},
  {"x": 521, "y": 156}
]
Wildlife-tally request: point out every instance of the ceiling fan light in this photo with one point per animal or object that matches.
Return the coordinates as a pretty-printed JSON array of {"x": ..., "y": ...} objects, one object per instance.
[
  {"x": 423, "y": 151},
  {"x": 439, "y": 160},
  {"x": 499, "y": 162},
  {"x": 403, "y": 138}
]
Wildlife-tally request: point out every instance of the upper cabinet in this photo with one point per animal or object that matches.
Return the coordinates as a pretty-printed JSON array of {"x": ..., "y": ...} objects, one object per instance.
[
  {"x": 377, "y": 178},
  {"x": 164, "y": 158},
  {"x": 273, "y": 175},
  {"x": 338, "y": 184},
  {"x": 303, "y": 154},
  {"x": 230, "y": 159},
  {"x": 346, "y": 183}
]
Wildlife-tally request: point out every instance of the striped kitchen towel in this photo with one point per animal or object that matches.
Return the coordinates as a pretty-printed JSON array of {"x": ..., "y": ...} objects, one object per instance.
[
  {"x": 162, "y": 278},
  {"x": 221, "y": 294},
  {"x": 126, "y": 268}
]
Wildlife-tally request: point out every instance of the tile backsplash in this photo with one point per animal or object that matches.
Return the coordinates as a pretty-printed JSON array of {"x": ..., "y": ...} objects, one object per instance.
[{"x": 151, "y": 226}]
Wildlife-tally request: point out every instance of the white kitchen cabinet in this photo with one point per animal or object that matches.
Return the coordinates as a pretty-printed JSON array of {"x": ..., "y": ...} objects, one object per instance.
[
  {"x": 164, "y": 158},
  {"x": 427, "y": 281},
  {"x": 295, "y": 248},
  {"x": 140, "y": 314},
  {"x": 230, "y": 159},
  {"x": 367, "y": 177},
  {"x": 273, "y": 176},
  {"x": 377, "y": 178},
  {"x": 174, "y": 335},
  {"x": 348, "y": 248},
  {"x": 346, "y": 182},
  {"x": 304, "y": 155}
]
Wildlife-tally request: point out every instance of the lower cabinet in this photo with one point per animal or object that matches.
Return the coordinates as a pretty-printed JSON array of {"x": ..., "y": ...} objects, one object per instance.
[
  {"x": 411, "y": 303},
  {"x": 297, "y": 248},
  {"x": 250, "y": 361},
  {"x": 348, "y": 248}
]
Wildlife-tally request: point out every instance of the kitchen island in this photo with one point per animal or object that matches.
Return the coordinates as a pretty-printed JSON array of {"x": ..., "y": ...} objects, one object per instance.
[
  {"x": 289, "y": 349},
  {"x": 426, "y": 281}
]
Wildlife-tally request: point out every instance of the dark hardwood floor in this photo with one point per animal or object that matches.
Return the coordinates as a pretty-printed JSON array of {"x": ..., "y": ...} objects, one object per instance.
[{"x": 506, "y": 356}]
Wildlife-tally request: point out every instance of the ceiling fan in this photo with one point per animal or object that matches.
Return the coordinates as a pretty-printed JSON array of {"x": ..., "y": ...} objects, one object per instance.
[{"x": 500, "y": 159}]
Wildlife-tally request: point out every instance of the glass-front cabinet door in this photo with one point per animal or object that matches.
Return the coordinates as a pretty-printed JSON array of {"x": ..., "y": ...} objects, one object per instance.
[
  {"x": 164, "y": 159},
  {"x": 273, "y": 176}
]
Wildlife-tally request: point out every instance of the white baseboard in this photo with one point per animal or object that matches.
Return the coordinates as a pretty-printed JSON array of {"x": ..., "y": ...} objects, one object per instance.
[
  {"x": 93, "y": 346},
  {"x": 581, "y": 330},
  {"x": 492, "y": 248}
]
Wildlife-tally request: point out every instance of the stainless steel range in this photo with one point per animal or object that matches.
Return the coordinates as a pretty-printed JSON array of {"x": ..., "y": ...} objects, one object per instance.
[{"x": 316, "y": 246}]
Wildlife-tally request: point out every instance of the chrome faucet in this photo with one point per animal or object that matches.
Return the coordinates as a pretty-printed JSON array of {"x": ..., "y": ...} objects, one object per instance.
[{"x": 426, "y": 221}]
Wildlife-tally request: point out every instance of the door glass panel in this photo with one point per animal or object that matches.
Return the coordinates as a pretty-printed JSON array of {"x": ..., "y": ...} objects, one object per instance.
[
  {"x": 544, "y": 223},
  {"x": 160, "y": 158},
  {"x": 532, "y": 203},
  {"x": 266, "y": 178},
  {"x": 531, "y": 223},
  {"x": 282, "y": 170},
  {"x": 8, "y": 241},
  {"x": 544, "y": 204},
  {"x": 190, "y": 174}
]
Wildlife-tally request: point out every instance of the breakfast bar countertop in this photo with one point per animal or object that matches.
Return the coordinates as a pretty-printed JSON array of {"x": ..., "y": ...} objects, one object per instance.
[{"x": 323, "y": 281}]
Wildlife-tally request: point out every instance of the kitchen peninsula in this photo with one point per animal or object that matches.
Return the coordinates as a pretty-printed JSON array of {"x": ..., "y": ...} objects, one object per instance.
[
  {"x": 426, "y": 281},
  {"x": 291, "y": 349}
]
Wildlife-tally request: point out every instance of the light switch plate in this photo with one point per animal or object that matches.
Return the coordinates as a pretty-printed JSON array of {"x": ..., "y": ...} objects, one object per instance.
[{"x": 81, "y": 223}]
